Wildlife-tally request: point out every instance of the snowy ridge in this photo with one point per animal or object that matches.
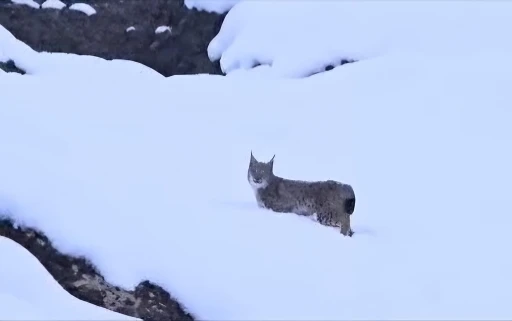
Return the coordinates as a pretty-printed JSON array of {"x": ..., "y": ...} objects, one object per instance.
[
  {"x": 315, "y": 34},
  {"x": 29, "y": 292}
]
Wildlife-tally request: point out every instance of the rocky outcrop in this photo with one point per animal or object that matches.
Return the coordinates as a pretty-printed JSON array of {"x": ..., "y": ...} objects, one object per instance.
[
  {"x": 79, "y": 277},
  {"x": 121, "y": 29},
  {"x": 10, "y": 66}
]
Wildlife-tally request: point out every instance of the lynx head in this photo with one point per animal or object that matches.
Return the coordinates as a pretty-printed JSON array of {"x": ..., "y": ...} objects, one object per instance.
[{"x": 259, "y": 174}]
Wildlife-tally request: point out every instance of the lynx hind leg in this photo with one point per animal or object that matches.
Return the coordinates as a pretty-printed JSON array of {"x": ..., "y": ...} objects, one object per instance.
[
  {"x": 333, "y": 217},
  {"x": 326, "y": 217},
  {"x": 345, "y": 228}
]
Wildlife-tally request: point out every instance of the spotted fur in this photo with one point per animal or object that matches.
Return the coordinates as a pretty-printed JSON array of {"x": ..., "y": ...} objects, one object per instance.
[{"x": 332, "y": 202}]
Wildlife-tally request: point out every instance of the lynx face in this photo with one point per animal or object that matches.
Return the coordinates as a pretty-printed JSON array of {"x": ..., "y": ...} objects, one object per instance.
[{"x": 259, "y": 173}]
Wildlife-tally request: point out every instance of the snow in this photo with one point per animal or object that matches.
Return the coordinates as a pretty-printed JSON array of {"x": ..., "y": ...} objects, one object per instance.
[
  {"x": 67, "y": 65},
  {"x": 315, "y": 34},
  {"x": 218, "y": 6},
  {"x": 53, "y": 4},
  {"x": 83, "y": 7},
  {"x": 161, "y": 29},
  {"x": 30, "y": 3},
  {"x": 420, "y": 129},
  {"x": 3, "y": 57},
  {"x": 29, "y": 292}
]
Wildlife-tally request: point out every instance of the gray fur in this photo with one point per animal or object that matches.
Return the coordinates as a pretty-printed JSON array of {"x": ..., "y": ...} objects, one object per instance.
[{"x": 332, "y": 202}]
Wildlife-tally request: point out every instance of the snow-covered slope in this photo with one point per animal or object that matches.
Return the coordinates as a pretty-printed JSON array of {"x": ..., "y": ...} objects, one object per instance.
[
  {"x": 421, "y": 135},
  {"x": 29, "y": 292},
  {"x": 299, "y": 38},
  {"x": 423, "y": 142}
]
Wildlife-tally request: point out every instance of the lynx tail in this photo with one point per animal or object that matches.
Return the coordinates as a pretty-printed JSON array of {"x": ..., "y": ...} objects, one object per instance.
[{"x": 350, "y": 204}]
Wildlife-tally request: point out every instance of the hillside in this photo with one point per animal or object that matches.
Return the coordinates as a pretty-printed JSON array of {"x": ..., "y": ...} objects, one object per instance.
[{"x": 143, "y": 177}]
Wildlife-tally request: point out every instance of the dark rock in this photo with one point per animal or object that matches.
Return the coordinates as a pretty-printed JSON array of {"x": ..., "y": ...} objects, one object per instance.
[
  {"x": 342, "y": 62},
  {"x": 10, "y": 66},
  {"x": 105, "y": 35},
  {"x": 155, "y": 299},
  {"x": 329, "y": 67},
  {"x": 346, "y": 61},
  {"x": 80, "y": 277}
]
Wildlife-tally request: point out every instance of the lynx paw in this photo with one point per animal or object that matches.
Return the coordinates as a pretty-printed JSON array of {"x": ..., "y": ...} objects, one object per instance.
[{"x": 347, "y": 233}]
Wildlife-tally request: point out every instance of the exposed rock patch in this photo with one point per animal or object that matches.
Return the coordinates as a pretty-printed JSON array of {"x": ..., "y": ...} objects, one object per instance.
[
  {"x": 10, "y": 66},
  {"x": 79, "y": 277},
  {"x": 183, "y": 50},
  {"x": 342, "y": 62},
  {"x": 330, "y": 67}
]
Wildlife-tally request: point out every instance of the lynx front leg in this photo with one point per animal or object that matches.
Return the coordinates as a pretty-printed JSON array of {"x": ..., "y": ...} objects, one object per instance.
[{"x": 345, "y": 229}]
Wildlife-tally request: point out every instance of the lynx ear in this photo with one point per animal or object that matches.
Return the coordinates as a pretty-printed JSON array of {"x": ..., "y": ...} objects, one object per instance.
[
  {"x": 253, "y": 160},
  {"x": 271, "y": 162}
]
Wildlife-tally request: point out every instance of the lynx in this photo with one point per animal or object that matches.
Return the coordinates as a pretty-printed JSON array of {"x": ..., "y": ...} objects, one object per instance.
[{"x": 331, "y": 201}]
